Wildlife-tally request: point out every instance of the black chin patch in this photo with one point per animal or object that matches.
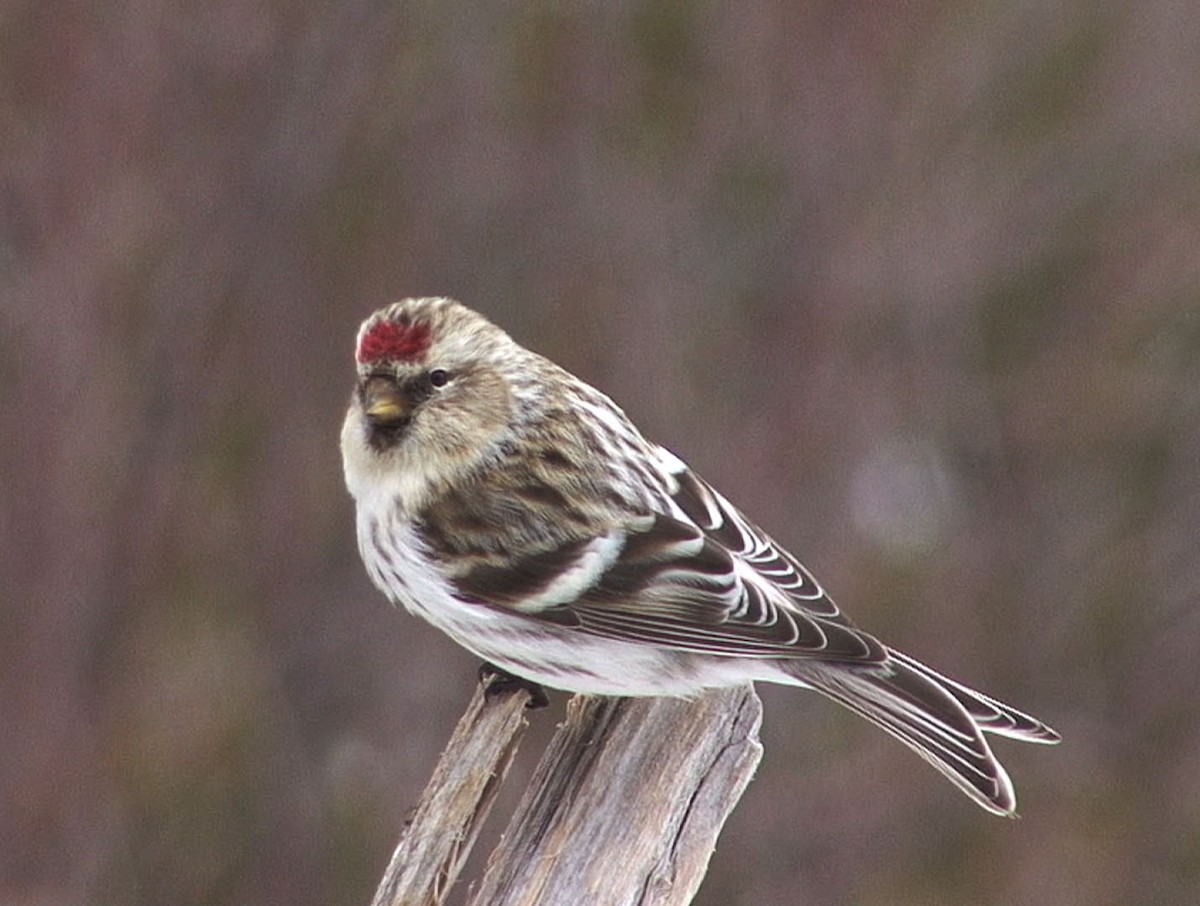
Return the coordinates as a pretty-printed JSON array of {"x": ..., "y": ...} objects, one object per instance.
[{"x": 382, "y": 436}]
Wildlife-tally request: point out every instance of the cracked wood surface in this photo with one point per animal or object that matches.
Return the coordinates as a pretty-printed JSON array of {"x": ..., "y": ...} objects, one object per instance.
[
  {"x": 627, "y": 802},
  {"x": 624, "y": 807},
  {"x": 438, "y": 837}
]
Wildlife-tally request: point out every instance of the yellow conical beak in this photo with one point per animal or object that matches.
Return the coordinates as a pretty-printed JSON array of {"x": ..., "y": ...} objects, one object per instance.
[{"x": 383, "y": 401}]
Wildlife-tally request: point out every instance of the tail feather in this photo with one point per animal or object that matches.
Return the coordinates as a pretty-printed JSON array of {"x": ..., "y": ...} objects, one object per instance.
[
  {"x": 990, "y": 715},
  {"x": 942, "y": 721}
]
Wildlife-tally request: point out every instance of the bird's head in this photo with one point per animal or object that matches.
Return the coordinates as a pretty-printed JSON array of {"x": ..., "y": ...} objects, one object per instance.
[{"x": 431, "y": 400}]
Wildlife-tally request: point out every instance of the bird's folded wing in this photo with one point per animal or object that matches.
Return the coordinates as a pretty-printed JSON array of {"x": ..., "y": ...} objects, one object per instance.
[
  {"x": 666, "y": 582},
  {"x": 721, "y": 521}
]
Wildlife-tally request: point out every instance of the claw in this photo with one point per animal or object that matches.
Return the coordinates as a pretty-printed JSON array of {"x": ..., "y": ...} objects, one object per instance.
[{"x": 498, "y": 682}]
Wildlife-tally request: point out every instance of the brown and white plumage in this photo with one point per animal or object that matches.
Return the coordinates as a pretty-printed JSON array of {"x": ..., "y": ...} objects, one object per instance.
[{"x": 518, "y": 509}]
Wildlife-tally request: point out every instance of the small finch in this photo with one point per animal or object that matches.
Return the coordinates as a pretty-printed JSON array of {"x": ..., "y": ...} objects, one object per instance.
[{"x": 517, "y": 509}]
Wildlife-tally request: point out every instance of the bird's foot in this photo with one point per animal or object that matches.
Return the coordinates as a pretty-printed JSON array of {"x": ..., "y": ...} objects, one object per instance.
[{"x": 500, "y": 682}]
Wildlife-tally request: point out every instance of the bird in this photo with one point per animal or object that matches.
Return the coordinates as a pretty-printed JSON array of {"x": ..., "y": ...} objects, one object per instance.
[{"x": 519, "y": 510}]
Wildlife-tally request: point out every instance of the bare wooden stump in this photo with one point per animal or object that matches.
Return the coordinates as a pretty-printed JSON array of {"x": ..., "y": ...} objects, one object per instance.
[
  {"x": 626, "y": 804},
  {"x": 624, "y": 808},
  {"x": 442, "y": 830}
]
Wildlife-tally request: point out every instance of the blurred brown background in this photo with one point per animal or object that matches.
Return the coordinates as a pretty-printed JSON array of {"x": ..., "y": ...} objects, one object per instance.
[{"x": 917, "y": 285}]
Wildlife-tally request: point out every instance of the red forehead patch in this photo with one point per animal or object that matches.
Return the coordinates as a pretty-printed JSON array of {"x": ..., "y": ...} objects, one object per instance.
[{"x": 393, "y": 341}]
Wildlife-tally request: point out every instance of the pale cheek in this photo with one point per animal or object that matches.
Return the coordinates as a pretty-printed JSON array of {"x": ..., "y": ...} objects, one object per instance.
[
  {"x": 463, "y": 429},
  {"x": 449, "y": 432}
]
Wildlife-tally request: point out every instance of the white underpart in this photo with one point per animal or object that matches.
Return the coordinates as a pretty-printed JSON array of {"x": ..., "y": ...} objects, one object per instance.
[{"x": 405, "y": 573}]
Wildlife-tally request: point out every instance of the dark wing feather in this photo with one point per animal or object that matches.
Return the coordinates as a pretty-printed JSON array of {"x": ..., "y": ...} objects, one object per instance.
[
  {"x": 673, "y": 585},
  {"x": 725, "y": 524}
]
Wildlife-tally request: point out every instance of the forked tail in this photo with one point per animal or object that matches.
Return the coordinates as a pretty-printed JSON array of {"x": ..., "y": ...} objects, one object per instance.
[{"x": 942, "y": 721}]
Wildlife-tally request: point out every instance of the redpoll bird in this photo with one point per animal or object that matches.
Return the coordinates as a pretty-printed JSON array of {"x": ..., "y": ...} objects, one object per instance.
[{"x": 519, "y": 510}]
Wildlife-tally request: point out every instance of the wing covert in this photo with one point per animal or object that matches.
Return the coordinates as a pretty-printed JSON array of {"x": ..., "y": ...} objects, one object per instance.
[{"x": 671, "y": 585}]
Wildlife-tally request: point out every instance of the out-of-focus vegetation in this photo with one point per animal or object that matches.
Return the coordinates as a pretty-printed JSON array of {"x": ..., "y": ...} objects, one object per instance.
[{"x": 916, "y": 285}]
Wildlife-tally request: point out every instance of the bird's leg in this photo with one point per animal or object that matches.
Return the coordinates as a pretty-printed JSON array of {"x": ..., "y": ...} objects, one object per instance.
[{"x": 500, "y": 682}]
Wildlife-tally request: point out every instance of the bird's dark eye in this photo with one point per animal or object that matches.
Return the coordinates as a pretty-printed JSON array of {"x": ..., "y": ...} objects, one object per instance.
[{"x": 439, "y": 377}]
